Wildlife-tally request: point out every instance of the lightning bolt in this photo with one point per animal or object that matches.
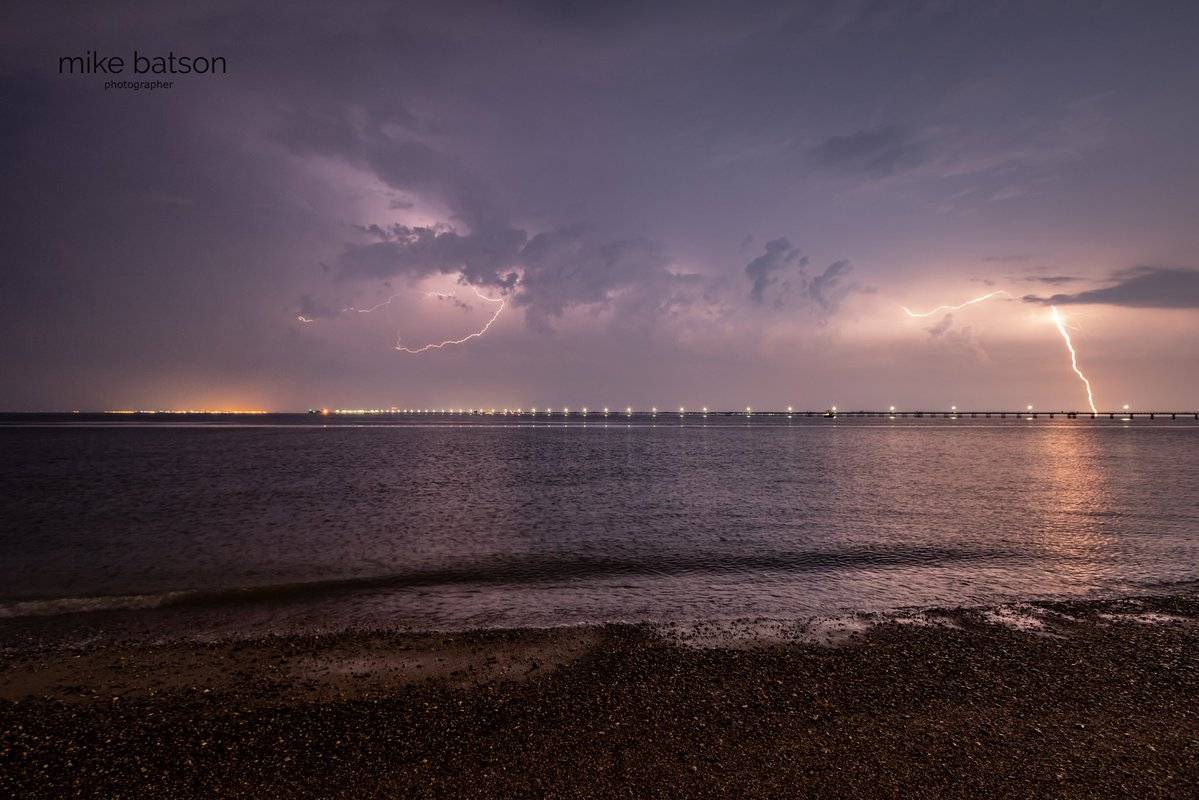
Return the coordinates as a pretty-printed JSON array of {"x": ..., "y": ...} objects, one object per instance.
[
  {"x": 939, "y": 309},
  {"x": 348, "y": 309},
  {"x": 376, "y": 306},
  {"x": 1061, "y": 327},
  {"x": 499, "y": 309}
]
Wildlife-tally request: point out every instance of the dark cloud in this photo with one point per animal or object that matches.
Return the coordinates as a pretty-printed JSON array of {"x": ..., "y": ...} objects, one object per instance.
[
  {"x": 1138, "y": 287},
  {"x": 1052, "y": 280},
  {"x": 831, "y": 287},
  {"x": 454, "y": 300},
  {"x": 387, "y": 140},
  {"x": 762, "y": 271},
  {"x": 566, "y": 268},
  {"x": 1008, "y": 258},
  {"x": 825, "y": 291},
  {"x": 943, "y": 324},
  {"x": 877, "y": 152},
  {"x": 548, "y": 274},
  {"x": 486, "y": 258}
]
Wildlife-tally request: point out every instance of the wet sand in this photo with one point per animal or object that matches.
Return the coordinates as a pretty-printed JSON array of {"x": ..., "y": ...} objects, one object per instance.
[{"x": 1076, "y": 699}]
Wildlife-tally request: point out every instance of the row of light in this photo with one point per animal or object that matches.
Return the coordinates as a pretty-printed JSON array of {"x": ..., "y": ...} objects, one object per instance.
[
  {"x": 628, "y": 411},
  {"x": 503, "y": 411}
]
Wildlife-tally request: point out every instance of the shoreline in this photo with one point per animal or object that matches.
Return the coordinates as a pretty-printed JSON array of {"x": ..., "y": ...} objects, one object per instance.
[{"x": 1060, "y": 698}]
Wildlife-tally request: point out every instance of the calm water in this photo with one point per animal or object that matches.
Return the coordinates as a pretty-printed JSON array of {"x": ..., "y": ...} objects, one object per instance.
[{"x": 287, "y": 523}]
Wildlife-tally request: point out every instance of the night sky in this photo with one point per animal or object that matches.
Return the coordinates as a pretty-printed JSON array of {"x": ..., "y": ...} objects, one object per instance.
[{"x": 719, "y": 204}]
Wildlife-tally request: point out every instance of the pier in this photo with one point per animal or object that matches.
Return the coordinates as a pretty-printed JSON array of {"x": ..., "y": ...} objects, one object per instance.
[{"x": 1124, "y": 415}]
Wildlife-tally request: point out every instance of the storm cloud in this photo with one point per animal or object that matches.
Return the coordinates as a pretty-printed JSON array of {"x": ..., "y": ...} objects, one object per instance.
[
  {"x": 829, "y": 289},
  {"x": 661, "y": 173},
  {"x": 764, "y": 270},
  {"x": 483, "y": 259},
  {"x": 1137, "y": 287},
  {"x": 877, "y": 152}
]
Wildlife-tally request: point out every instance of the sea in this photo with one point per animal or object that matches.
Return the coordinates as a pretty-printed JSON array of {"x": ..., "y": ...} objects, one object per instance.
[{"x": 228, "y": 525}]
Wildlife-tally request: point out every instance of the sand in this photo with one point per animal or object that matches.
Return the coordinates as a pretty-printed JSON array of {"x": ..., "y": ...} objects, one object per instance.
[{"x": 1078, "y": 699}]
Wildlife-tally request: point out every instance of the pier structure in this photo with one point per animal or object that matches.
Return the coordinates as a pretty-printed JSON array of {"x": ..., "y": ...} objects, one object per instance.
[{"x": 545, "y": 412}]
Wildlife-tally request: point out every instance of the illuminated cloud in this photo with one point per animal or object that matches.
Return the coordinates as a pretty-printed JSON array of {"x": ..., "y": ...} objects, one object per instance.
[{"x": 483, "y": 259}]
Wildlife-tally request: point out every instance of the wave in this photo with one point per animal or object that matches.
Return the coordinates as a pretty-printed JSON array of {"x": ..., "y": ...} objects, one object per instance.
[
  {"x": 514, "y": 571},
  {"x": 77, "y": 605}
]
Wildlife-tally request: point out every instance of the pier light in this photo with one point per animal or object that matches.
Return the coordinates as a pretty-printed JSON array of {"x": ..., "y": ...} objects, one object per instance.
[
  {"x": 892, "y": 408},
  {"x": 834, "y": 408},
  {"x": 605, "y": 410},
  {"x": 748, "y": 410},
  {"x": 789, "y": 409},
  {"x": 566, "y": 412},
  {"x": 953, "y": 408},
  {"x": 629, "y": 411},
  {"x": 653, "y": 410},
  {"x": 584, "y": 411},
  {"x": 705, "y": 409},
  {"x": 1126, "y": 406},
  {"x": 1030, "y": 408}
]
